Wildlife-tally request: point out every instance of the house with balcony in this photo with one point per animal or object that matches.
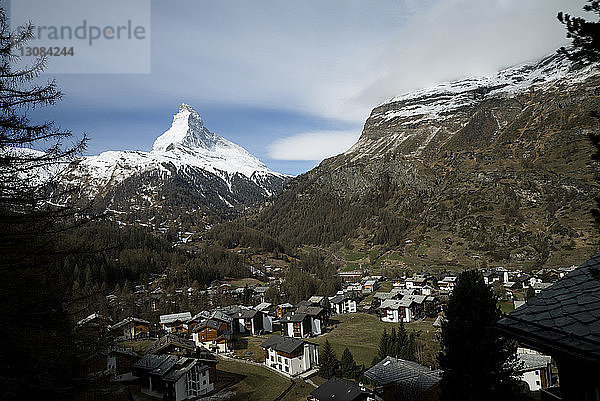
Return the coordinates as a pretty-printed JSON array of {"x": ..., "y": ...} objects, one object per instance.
[{"x": 290, "y": 356}]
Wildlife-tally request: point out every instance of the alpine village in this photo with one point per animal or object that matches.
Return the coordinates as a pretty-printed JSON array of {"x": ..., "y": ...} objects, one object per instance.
[{"x": 447, "y": 255}]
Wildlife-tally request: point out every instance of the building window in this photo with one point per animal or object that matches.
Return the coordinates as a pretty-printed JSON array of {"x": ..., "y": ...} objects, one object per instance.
[
  {"x": 537, "y": 372},
  {"x": 537, "y": 382}
]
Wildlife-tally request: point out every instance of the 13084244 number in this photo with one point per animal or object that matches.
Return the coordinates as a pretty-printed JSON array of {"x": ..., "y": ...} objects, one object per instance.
[{"x": 47, "y": 51}]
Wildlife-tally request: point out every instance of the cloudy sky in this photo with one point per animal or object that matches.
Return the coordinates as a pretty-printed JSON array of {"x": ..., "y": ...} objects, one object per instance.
[{"x": 293, "y": 81}]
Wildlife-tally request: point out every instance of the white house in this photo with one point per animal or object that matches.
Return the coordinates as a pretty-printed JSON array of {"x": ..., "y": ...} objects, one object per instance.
[
  {"x": 416, "y": 281},
  {"x": 447, "y": 284},
  {"x": 175, "y": 378},
  {"x": 343, "y": 303},
  {"x": 175, "y": 322},
  {"x": 405, "y": 309},
  {"x": 290, "y": 356},
  {"x": 535, "y": 369}
]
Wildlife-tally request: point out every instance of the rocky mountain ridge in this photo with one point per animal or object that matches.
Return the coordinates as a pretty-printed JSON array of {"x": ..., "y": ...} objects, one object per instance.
[{"x": 483, "y": 170}]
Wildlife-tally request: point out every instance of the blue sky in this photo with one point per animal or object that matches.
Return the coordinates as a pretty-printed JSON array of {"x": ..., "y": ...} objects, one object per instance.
[{"x": 293, "y": 81}]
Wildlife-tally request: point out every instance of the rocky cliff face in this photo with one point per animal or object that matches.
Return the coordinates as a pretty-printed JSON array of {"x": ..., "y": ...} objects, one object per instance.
[{"x": 491, "y": 170}]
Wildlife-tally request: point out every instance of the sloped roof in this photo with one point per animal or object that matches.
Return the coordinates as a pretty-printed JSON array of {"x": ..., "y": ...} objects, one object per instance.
[
  {"x": 310, "y": 310},
  {"x": 283, "y": 344},
  {"x": 170, "y": 339},
  {"x": 150, "y": 362},
  {"x": 406, "y": 374},
  {"x": 294, "y": 318},
  {"x": 174, "y": 317},
  {"x": 564, "y": 317},
  {"x": 182, "y": 367},
  {"x": 125, "y": 321},
  {"x": 262, "y": 306},
  {"x": 533, "y": 361},
  {"x": 339, "y": 390}
]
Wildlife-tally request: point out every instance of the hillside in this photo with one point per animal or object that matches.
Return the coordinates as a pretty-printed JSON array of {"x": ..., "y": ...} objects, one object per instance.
[{"x": 492, "y": 170}]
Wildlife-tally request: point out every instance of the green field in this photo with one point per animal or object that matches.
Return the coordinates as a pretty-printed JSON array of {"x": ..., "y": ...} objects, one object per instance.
[
  {"x": 249, "y": 382},
  {"x": 361, "y": 332},
  {"x": 257, "y": 383}
]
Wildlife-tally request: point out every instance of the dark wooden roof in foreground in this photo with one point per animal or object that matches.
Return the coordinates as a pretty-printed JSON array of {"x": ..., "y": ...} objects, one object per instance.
[{"x": 564, "y": 318}]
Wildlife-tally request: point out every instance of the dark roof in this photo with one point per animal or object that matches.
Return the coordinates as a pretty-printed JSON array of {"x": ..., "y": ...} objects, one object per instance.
[
  {"x": 339, "y": 390},
  {"x": 182, "y": 367},
  {"x": 563, "y": 318},
  {"x": 294, "y": 318},
  {"x": 283, "y": 344},
  {"x": 150, "y": 362},
  {"x": 164, "y": 367},
  {"x": 310, "y": 310},
  {"x": 405, "y": 374},
  {"x": 128, "y": 320},
  {"x": 170, "y": 339},
  {"x": 341, "y": 298}
]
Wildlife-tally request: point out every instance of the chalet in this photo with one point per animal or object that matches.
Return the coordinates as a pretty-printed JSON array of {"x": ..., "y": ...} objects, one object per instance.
[
  {"x": 539, "y": 287},
  {"x": 282, "y": 309},
  {"x": 267, "y": 311},
  {"x": 562, "y": 321},
  {"x": 175, "y": 322},
  {"x": 249, "y": 321},
  {"x": 290, "y": 356},
  {"x": 356, "y": 288},
  {"x": 428, "y": 290},
  {"x": 213, "y": 335},
  {"x": 398, "y": 282},
  {"x": 259, "y": 292},
  {"x": 490, "y": 277},
  {"x": 343, "y": 303},
  {"x": 119, "y": 363},
  {"x": 296, "y": 325},
  {"x": 131, "y": 328},
  {"x": 370, "y": 286},
  {"x": 406, "y": 309},
  {"x": 397, "y": 379},
  {"x": 175, "y": 378},
  {"x": 316, "y": 300},
  {"x": 339, "y": 390},
  {"x": 94, "y": 323},
  {"x": 417, "y": 282},
  {"x": 318, "y": 318},
  {"x": 535, "y": 369},
  {"x": 173, "y": 345},
  {"x": 447, "y": 284},
  {"x": 524, "y": 281},
  {"x": 215, "y": 314}
]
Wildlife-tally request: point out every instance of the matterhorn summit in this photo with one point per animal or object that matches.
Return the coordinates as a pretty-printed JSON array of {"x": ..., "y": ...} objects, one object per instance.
[
  {"x": 187, "y": 130},
  {"x": 188, "y": 165}
]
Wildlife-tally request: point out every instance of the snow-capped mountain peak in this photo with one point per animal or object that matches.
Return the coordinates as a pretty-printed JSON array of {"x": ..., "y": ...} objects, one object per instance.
[
  {"x": 187, "y": 130},
  {"x": 215, "y": 170}
]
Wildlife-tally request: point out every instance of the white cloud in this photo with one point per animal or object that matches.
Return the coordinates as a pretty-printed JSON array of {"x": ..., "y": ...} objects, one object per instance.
[{"x": 316, "y": 145}]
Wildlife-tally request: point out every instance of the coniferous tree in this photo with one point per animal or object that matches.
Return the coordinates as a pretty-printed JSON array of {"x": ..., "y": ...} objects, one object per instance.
[
  {"x": 584, "y": 34},
  {"x": 477, "y": 362},
  {"x": 328, "y": 361},
  {"x": 37, "y": 344},
  {"x": 348, "y": 366}
]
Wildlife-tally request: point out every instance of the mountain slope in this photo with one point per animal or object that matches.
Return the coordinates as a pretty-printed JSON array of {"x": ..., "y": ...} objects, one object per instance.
[
  {"x": 189, "y": 174},
  {"x": 485, "y": 170}
]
